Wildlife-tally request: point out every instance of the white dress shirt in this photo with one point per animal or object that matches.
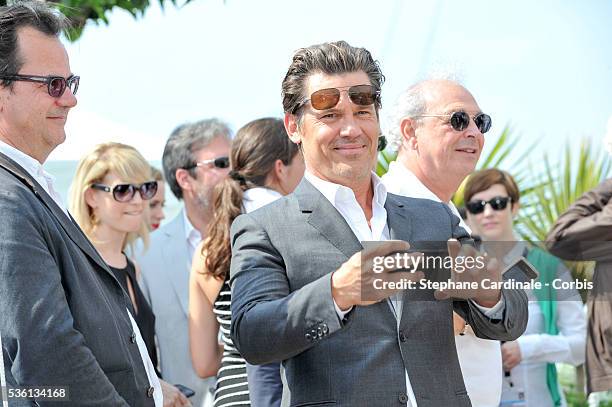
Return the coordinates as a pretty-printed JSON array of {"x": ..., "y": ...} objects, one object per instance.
[
  {"x": 345, "y": 202},
  {"x": 257, "y": 197},
  {"x": 480, "y": 359},
  {"x": 46, "y": 180},
  {"x": 192, "y": 236},
  {"x": 538, "y": 348}
]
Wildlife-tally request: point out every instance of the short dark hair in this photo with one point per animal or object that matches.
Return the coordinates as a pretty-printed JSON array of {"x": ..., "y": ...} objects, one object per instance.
[
  {"x": 185, "y": 140},
  {"x": 331, "y": 58},
  {"x": 20, "y": 14},
  {"x": 484, "y": 179}
]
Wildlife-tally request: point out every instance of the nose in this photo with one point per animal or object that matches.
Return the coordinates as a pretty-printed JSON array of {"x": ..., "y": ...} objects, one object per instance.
[
  {"x": 472, "y": 130},
  {"x": 68, "y": 99},
  {"x": 488, "y": 210},
  {"x": 349, "y": 126}
]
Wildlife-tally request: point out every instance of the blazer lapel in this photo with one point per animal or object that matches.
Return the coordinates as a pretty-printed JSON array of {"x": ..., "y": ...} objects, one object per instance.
[
  {"x": 176, "y": 260},
  {"x": 400, "y": 227},
  {"x": 324, "y": 217},
  {"x": 70, "y": 227}
]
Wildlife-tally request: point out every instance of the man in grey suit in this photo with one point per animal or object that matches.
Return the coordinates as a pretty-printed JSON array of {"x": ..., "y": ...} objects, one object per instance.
[
  {"x": 194, "y": 161},
  {"x": 64, "y": 319},
  {"x": 298, "y": 267}
]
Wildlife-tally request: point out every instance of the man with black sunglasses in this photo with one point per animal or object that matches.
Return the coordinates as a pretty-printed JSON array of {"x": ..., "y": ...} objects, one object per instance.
[
  {"x": 438, "y": 129},
  {"x": 299, "y": 265},
  {"x": 65, "y": 321},
  {"x": 195, "y": 159}
]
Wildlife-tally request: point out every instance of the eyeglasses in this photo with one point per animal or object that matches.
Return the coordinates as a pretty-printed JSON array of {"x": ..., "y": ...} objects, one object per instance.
[
  {"x": 56, "y": 85},
  {"x": 126, "y": 192},
  {"x": 460, "y": 120},
  {"x": 498, "y": 203},
  {"x": 219, "y": 162},
  {"x": 362, "y": 95}
]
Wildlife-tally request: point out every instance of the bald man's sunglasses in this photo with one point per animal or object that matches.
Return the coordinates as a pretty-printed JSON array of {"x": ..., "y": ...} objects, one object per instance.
[
  {"x": 460, "y": 120},
  {"x": 126, "y": 192},
  {"x": 362, "y": 95},
  {"x": 499, "y": 203},
  {"x": 56, "y": 85}
]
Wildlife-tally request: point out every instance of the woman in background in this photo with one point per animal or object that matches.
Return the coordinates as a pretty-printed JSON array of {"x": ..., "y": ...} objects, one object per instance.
[
  {"x": 556, "y": 330},
  {"x": 107, "y": 199},
  {"x": 265, "y": 166},
  {"x": 158, "y": 202}
]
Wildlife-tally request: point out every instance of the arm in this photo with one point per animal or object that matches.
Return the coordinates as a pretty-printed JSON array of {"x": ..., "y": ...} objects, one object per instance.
[
  {"x": 269, "y": 322},
  {"x": 583, "y": 231},
  {"x": 569, "y": 345},
  {"x": 39, "y": 339},
  {"x": 205, "y": 349},
  {"x": 265, "y": 385},
  {"x": 505, "y": 320}
]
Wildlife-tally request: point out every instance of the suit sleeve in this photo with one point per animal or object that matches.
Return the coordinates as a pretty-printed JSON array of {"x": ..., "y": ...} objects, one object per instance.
[
  {"x": 269, "y": 322},
  {"x": 582, "y": 232},
  {"x": 40, "y": 344},
  {"x": 514, "y": 314}
]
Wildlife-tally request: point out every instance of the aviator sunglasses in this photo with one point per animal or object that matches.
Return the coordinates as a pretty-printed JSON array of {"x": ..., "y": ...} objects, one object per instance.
[
  {"x": 56, "y": 85},
  {"x": 362, "y": 95},
  {"x": 126, "y": 192},
  {"x": 460, "y": 120},
  {"x": 498, "y": 203}
]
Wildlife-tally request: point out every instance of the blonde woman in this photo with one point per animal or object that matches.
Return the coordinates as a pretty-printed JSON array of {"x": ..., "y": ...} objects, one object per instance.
[{"x": 107, "y": 199}]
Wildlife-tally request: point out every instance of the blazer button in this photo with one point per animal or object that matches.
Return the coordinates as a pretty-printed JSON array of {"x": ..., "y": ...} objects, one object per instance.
[
  {"x": 402, "y": 337},
  {"x": 308, "y": 337},
  {"x": 150, "y": 392},
  {"x": 133, "y": 338},
  {"x": 403, "y": 398}
]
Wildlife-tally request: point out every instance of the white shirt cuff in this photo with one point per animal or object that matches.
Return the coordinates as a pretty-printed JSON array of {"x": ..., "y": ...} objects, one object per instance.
[
  {"x": 341, "y": 314},
  {"x": 496, "y": 311}
]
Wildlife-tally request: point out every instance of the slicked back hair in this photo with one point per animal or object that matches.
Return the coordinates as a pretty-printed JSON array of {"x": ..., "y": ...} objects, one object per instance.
[
  {"x": 35, "y": 14},
  {"x": 330, "y": 58}
]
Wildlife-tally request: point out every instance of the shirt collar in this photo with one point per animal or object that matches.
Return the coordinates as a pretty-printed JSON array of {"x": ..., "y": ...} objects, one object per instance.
[
  {"x": 31, "y": 165},
  {"x": 189, "y": 229},
  {"x": 336, "y": 193},
  {"x": 401, "y": 181}
]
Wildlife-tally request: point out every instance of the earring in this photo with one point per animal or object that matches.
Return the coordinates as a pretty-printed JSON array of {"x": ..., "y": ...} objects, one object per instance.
[{"x": 382, "y": 142}]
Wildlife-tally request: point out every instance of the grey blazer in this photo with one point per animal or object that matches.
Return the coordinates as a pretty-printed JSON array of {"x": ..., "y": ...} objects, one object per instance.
[
  {"x": 164, "y": 281},
  {"x": 63, "y": 314},
  {"x": 282, "y": 308}
]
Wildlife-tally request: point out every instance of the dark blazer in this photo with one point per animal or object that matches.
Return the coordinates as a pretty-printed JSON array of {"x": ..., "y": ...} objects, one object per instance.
[
  {"x": 282, "y": 309},
  {"x": 64, "y": 316},
  {"x": 584, "y": 232}
]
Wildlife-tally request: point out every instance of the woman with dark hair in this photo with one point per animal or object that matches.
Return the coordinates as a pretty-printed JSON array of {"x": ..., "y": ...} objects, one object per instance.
[
  {"x": 265, "y": 166},
  {"x": 556, "y": 331}
]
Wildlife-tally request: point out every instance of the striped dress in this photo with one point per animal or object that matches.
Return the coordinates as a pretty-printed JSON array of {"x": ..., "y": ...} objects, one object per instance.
[{"x": 232, "y": 387}]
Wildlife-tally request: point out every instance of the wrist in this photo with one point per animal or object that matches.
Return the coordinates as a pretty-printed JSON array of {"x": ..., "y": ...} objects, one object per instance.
[{"x": 337, "y": 297}]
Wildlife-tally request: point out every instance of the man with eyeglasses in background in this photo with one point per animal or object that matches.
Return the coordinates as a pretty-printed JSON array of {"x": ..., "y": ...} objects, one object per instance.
[
  {"x": 437, "y": 129},
  {"x": 301, "y": 283},
  {"x": 66, "y": 327},
  {"x": 195, "y": 159}
]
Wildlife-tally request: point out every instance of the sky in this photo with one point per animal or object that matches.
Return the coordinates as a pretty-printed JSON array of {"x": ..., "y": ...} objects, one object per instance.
[{"x": 543, "y": 68}]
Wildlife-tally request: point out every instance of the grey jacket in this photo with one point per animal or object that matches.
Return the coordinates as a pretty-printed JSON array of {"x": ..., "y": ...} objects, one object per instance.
[
  {"x": 63, "y": 316},
  {"x": 282, "y": 308},
  {"x": 584, "y": 232}
]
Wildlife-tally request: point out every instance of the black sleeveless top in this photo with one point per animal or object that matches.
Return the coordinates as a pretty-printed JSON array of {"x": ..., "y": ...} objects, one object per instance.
[{"x": 145, "y": 319}]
